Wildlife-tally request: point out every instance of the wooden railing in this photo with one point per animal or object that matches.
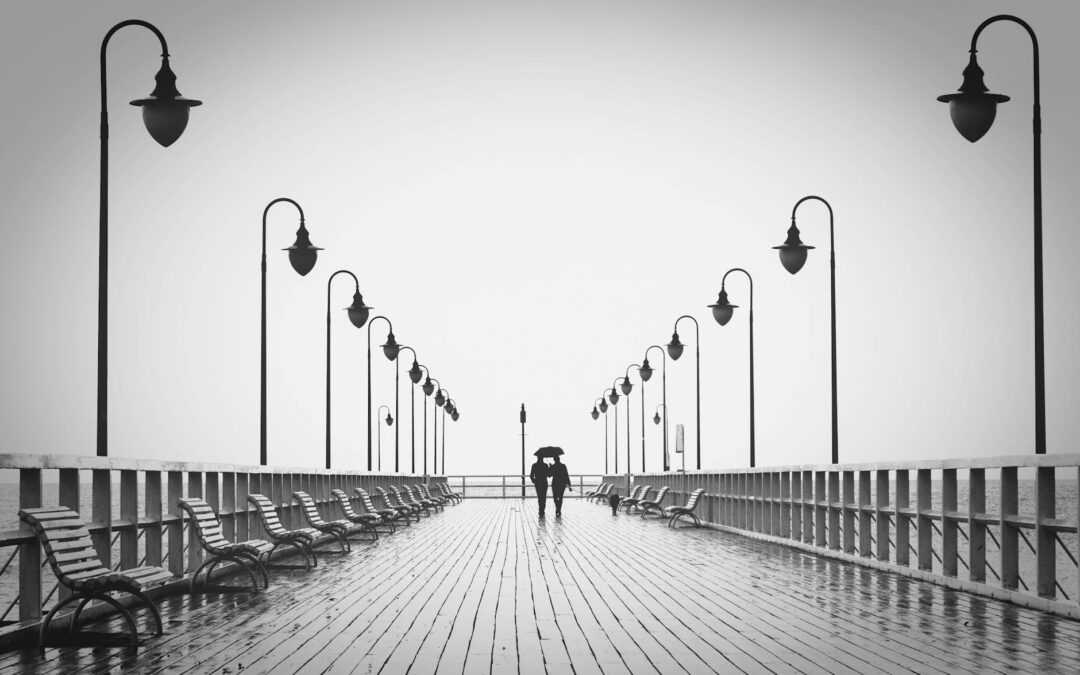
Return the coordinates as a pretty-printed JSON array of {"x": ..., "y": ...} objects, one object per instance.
[
  {"x": 509, "y": 486},
  {"x": 143, "y": 525},
  {"x": 993, "y": 526}
]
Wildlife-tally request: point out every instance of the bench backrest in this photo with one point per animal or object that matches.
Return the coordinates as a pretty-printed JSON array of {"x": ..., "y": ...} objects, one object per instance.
[
  {"x": 633, "y": 494},
  {"x": 644, "y": 493},
  {"x": 404, "y": 493},
  {"x": 268, "y": 513},
  {"x": 205, "y": 522},
  {"x": 423, "y": 491},
  {"x": 311, "y": 512},
  {"x": 67, "y": 543},
  {"x": 660, "y": 495},
  {"x": 396, "y": 495},
  {"x": 694, "y": 497},
  {"x": 386, "y": 497},
  {"x": 346, "y": 505},
  {"x": 365, "y": 499}
]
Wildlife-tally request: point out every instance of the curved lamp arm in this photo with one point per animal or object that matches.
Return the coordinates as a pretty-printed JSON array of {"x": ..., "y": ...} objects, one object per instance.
[
  {"x": 663, "y": 353},
  {"x": 832, "y": 243},
  {"x": 1031, "y": 33},
  {"x": 697, "y": 334},
  {"x": 748, "y": 278},
  {"x": 356, "y": 282},
  {"x": 105, "y": 44},
  {"x": 267, "y": 210},
  {"x": 371, "y": 322}
]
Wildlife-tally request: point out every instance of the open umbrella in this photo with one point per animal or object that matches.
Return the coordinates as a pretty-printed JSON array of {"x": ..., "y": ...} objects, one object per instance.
[{"x": 548, "y": 451}]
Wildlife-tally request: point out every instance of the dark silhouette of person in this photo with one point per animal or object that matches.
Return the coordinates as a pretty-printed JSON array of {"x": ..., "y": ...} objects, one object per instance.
[
  {"x": 538, "y": 474},
  {"x": 560, "y": 481}
]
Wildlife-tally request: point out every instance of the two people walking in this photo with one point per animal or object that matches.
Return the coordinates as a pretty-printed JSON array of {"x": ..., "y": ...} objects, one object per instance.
[{"x": 539, "y": 474}]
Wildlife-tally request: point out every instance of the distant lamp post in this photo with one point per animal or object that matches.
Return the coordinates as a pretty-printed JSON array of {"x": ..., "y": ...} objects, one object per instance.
[
  {"x": 302, "y": 257},
  {"x": 415, "y": 374},
  {"x": 656, "y": 414},
  {"x": 596, "y": 415},
  {"x": 973, "y": 110},
  {"x": 165, "y": 115},
  {"x": 440, "y": 399},
  {"x": 675, "y": 350},
  {"x": 614, "y": 398},
  {"x": 358, "y": 315},
  {"x": 793, "y": 257},
  {"x": 722, "y": 311},
  {"x": 627, "y": 388},
  {"x": 390, "y": 350},
  {"x": 646, "y": 372},
  {"x": 427, "y": 388},
  {"x": 449, "y": 409},
  {"x": 389, "y": 422}
]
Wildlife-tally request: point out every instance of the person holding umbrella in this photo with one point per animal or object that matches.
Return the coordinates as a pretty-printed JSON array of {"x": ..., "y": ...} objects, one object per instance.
[
  {"x": 538, "y": 474},
  {"x": 560, "y": 481}
]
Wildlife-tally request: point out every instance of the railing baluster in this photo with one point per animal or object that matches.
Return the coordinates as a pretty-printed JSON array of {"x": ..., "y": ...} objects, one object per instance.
[
  {"x": 903, "y": 523},
  {"x": 925, "y": 533},
  {"x": 30, "y": 551},
  {"x": 848, "y": 511},
  {"x": 948, "y": 523},
  {"x": 785, "y": 504},
  {"x": 882, "y": 517},
  {"x": 865, "y": 526},
  {"x": 152, "y": 510},
  {"x": 194, "y": 549},
  {"x": 101, "y": 514},
  {"x": 833, "y": 511},
  {"x": 1010, "y": 540},
  {"x": 976, "y": 528},
  {"x": 129, "y": 512},
  {"x": 1045, "y": 548},
  {"x": 228, "y": 505}
]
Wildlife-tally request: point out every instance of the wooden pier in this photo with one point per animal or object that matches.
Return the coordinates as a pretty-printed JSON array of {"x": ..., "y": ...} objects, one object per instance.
[{"x": 487, "y": 587}]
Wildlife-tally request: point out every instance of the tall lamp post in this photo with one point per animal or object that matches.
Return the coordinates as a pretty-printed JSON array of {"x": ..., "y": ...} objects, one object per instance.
[
  {"x": 627, "y": 388},
  {"x": 390, "y": 350},
  {"x": 596, "y": 415},
  {"x": 446, "y": 405},
  {"x": 389, "y": 422},
  {"x": 973, "y": 110},
  {"x": 415, "y": 375},
  {"x": 613, "y": 397},
  {"x": 793, "y": 257},
  {"x": 165, "y": 115},
  {"x": 428, "y": 388},
  {"x": 675, "y": 350},
  {"x": 646, "y": 372},
  {"x": 440, "y": 401},
  {"x": 302, "y": 257},
  {"x": 521, "y": 417},
  {"x": 722, "y": 311},
  {"x": 358, "y": 314}
]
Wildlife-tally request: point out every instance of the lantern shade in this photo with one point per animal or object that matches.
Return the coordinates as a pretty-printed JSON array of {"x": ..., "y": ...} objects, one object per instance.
[
  {"x": 645, "y": 371},
  {"x": 302, "y": 254},
  {"x": 973, "y": 108},
  {"x": 358, "y": 311},
  {"x": 595, "y": 413},
  {"x": 603, "y": 405},
  {"x": 165, "y": 111},
  {"x": 389, "y": 419},
  {"x": 440, "y": 398},
  {"x": 391, "y": 348},
  {"x": 656, "y": 418},
  {"x": 675, "y": 348},
  {"x": 613, "y": 396},
  {"x": 415, "y": 373},
  {"x": 793, "y": 251},
  {"x": 722, "y": 310},
  {"x": 626, "y": 386},
  {"x": 455, "y": 415},
  {"x": 428, "y": 387}
]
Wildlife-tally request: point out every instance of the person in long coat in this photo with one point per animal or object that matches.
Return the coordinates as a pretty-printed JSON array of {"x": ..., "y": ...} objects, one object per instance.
[
  {"x": 560, "y": 480},
  {"x": 538, "y": 474}
]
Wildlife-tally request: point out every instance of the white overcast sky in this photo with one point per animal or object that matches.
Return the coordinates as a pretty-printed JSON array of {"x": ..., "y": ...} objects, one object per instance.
[{"x": 533, "y": 192}]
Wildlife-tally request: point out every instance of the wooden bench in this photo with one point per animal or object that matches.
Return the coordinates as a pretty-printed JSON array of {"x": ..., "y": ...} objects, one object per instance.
[
  {"x": 301, "y": 540},
  {"x": 592, "y": 493},
  {"x": 600, "y": 496},
  {"x": 369, "y": 521},
  {"x": 388, "y": 515},
  {"x": 673, "y": 513},
  {"x": 70, "y": 552},
  {"x": 246, "y": 554},
  {"x": 647, "y": 505},
  {"x": 450, "y": 494},
  {"x": 438, "y": 499},
  {"x": 631, "y": 502},
  {"x": 336, "y": 529},
  {"x": 409, "y": 510},
  {"x": 407, "y": 500},
  {"x": 413, "y": 499}
]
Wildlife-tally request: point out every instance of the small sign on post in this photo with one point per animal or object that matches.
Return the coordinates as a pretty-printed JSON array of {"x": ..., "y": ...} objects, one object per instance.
[{"x": 680, "y": 441}]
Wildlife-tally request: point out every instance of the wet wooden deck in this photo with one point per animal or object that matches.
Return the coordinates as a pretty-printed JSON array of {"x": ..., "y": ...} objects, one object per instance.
[{"x": 486, "y": 587}]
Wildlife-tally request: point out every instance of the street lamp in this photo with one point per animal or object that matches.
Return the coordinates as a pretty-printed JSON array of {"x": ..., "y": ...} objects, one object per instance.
[
  {"x": 646, "y": 372},
  {"x": 722, "y": 312},
  {"x": 415, "y": 374},
  {"x": 793, "y": 256},
  {"x": 675, "y": 350},
  {"x": 165, "y": 115},
  {"x": 435, "y": 426},
  {"x": 614, "y": 398},
  {"x": 389, "y": 422},
  {"x": 450, "y": 408},
  {"x": 973, "y": 110},
  {"x": 427, "y": 388},
  {"x": 358, "y": 315},
  {"x": 390, "y": 350},
  {"x": 627, "y": 387},
  {"x": 445, "y": 405},
  {"x": 302, "y": 257},
  {"x": 596, "y": 415}
]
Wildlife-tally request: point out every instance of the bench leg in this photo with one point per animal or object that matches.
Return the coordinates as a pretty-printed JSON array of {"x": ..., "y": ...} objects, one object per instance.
[{"x": 153, "y": 609}]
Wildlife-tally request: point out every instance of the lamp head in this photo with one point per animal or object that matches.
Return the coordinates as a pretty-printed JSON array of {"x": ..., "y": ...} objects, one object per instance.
[
  {"x": 646, "y": 370},
  {"x": 391, "y": 348},
  {"x": 613, "y": 396},
  {"x": 793, "y": 251},
  {"x": 302, "y": 254},
  {"x": 973, "y": 108},
  {"x": 626, "y": 386},
  {"x": 595, "y": 413},
  {"x": 165, "y": 111},
  {"x": 358, "y": 311},
  {"x": 656, "y": 418},
  {"x": 440, "y": 398},
  {"x": 675, "y": 348},
  {"x": 415, "y": 373},
  {"x": 723, "y": 309},
  {"x": 449, "y": 406},
  {"x": 389, "y": 419},
  {"x": 428, "y": 387},
  {"x": 455, "y": 415},
  {"x": 603, "y": 405}
]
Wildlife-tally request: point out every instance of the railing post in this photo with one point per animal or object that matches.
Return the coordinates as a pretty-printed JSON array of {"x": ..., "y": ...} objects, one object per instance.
[
  {"x": 194, "y": 549},
  {"x": 69, "y": 497},
  {"x": 101, "y": 515},
  {"x": 976, "y": 528},
  {"x": 785, "y": 504},
  {"x": 903, "y": 523},
  {"x": 30, "y": 551},
  {"x": 759, "y": 501},
  {"x": 152, "y": 531},
  {"x": 833, "y": 510},
  {"x": 228, "y": 505},
  {"x": 821, "y": 501},
  {"x": 1045, "y": 544},
  {"x": 865, "y": 547},
  {"x": 1010, "y": 538},
  {"x": 882, "y": 516},
  {"x": 796, "y": 505},
  {"x": 848, "y": 509},
  {"x": 174, "y": 491},
  {"x": 129, "y": 512},
  {"x": 503, "y": 485},
  {"x": 809, "y": 506},
  {"x": 925, "y": 529},
  {"x": 948, "y": 523}
]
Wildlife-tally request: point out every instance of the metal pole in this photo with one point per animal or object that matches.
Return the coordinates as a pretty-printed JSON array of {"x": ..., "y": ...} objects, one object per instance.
[
  {"x": 522, "y": 418},
  {"x": 412, "y": 425},
  {"x": 444, "y": 440},
  {"x": 642, "y": 425},
  {"x": 397, "y": 412},
  {"x": 328, "y": 284},
  {"x": 391, "y": 329},
  {"x": 605, "y": 444}
]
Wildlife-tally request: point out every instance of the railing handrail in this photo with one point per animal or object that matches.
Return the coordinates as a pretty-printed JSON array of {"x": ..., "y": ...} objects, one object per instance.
[
  {"x": 1019, "y": 461},
  {"x": 87, "y": 462}
]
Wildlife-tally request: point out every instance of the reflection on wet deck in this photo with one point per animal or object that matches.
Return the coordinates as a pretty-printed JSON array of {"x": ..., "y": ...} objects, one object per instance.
[{"x": 486, "y": 587}]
